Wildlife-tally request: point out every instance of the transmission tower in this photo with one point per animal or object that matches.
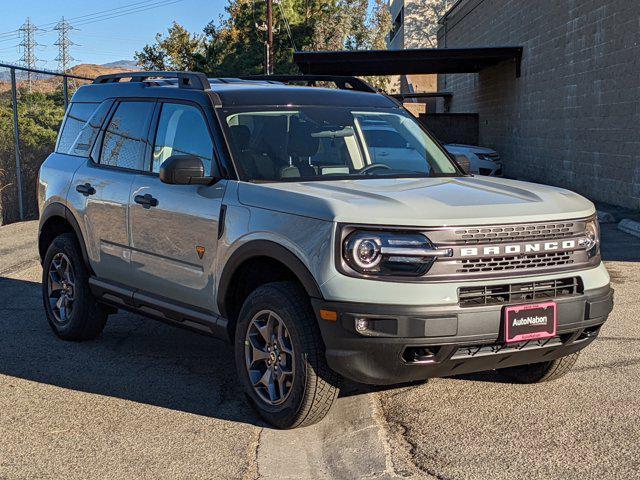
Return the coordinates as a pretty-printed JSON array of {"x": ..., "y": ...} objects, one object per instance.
[
  {"x": 63, "y": 43},
  {"x": 28, "y": 46}
]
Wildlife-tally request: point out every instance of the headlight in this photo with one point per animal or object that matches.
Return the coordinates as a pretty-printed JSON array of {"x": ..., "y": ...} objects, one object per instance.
[
  {"x": 387, "y": 253},
  {"x": 592, "y": 237}
]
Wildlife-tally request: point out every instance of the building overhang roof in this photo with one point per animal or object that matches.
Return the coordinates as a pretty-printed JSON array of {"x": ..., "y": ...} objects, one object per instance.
[{"x": 406, "y": 62}]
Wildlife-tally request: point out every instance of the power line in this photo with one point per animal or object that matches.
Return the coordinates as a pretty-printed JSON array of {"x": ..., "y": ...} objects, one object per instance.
[
  {"x": 101, "y": 15},
  {"x": 28, "y": 31},
  {"x": 107, "y": 11},
  {"x": 129, "y": 12},
  {"x": 16, "y": 33},
  {"x": 286, "y": 25}
]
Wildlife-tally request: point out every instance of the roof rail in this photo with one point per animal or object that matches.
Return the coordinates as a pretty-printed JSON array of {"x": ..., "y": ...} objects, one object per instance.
[
  {"x": 189, "y": 80},
  {"x": 342, "y": 82}
]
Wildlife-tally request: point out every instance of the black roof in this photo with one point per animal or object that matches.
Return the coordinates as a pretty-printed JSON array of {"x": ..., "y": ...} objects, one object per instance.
[{"x": 227, "y": 92}]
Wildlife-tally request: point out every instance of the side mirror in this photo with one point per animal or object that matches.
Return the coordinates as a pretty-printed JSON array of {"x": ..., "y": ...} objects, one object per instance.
[
  {"x": 183, "y": 170},
  {"x": 464, "y": 163}
]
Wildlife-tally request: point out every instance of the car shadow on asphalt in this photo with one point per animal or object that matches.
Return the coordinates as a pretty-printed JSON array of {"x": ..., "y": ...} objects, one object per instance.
[{"x": 134, "y": 359}]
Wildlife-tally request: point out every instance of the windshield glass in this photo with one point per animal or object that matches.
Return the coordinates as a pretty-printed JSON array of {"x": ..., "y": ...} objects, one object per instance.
[{"x": 323, "y": 143}]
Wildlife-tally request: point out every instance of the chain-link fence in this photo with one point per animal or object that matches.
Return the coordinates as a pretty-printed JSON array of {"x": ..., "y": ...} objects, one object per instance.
[{"x": 32, "y": 105}]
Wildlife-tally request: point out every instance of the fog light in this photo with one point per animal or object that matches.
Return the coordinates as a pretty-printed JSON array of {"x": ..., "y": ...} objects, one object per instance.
[
  {"x": 376, "y": 327},
  {"x": 362, "y": 325}
]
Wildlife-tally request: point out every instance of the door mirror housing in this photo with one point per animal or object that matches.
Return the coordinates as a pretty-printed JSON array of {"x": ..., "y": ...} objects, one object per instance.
[
  {"x": 184, "y": 170},
  {"x": 464, "y": 163}
]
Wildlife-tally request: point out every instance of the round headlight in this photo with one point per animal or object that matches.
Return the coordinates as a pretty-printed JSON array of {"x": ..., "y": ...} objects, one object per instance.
[
  {"x": 387, "y": 253},
  {"x": 365, "y": 252}
]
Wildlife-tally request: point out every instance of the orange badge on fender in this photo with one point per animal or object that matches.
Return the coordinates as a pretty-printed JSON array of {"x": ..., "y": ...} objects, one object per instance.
[{"x": 200, "y": 251}]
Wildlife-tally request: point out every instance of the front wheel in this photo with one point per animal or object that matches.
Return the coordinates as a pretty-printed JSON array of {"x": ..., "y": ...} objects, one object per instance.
[
  {"x": 280, "y": 357},
  {"x": 72, "y": 311},
  {"x": 540, "y": 372}
]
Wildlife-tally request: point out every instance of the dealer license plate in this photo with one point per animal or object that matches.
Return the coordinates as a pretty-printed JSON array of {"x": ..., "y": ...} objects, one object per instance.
[{"x": 530, "y": 322}]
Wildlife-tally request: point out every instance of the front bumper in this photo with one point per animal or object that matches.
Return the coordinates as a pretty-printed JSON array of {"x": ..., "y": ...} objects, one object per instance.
[{"x": 455, "y": 340}]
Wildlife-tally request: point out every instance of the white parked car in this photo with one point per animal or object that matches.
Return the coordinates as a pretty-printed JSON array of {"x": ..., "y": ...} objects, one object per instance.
[{"x": 483, "y": 161}]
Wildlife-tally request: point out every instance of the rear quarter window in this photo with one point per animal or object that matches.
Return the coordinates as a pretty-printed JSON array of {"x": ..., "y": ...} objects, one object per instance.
[{"x": 81, "y": 127}]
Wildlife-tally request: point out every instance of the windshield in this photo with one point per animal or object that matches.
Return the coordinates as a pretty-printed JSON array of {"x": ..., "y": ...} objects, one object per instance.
[{"x": 324, "y": 143}]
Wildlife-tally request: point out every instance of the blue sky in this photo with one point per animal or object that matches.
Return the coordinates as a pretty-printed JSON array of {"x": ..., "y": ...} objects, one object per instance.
[{"x": 106, "y": 40}]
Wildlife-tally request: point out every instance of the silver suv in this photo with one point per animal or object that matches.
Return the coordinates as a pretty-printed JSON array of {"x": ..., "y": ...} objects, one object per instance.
[{"x": 259, "y": 212}]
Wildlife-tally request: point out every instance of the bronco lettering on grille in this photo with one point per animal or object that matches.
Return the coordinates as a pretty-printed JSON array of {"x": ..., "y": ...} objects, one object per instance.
[{"x": 519, "y": 248}]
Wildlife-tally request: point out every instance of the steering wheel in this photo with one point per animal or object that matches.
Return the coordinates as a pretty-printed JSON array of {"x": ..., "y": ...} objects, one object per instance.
[{"x": 373, "y": 166}]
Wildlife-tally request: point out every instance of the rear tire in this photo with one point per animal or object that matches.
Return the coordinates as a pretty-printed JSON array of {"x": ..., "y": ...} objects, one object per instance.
[
  {"x": 540, "y": 372},
  {"x": 280, "y": 357},
  {"x": 72, "y": 311}
]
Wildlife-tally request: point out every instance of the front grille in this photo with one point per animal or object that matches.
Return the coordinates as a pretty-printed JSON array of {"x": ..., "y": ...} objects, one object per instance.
[
  {"x": 519, "y": 292},
  {"x": 515, "y": 262},
  {"x": 518, "y": 233}
]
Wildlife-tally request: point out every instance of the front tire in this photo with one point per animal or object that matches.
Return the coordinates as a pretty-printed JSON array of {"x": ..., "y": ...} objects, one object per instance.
[
  {"x": 540, "y": 372},
  {"x": 72, "y": 311},
  {"x": 280, "y": 357}
]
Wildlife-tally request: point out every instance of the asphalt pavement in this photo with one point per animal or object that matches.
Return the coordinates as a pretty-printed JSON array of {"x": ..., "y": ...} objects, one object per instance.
[
  {"x": 584, "y": 425},
  {"x": 147, "y": 400}
]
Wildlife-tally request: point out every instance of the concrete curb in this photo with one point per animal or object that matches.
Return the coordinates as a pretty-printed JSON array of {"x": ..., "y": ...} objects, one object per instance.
[
  {"x": 348, "y": 443},
  {"x": 630, "y": 226}
]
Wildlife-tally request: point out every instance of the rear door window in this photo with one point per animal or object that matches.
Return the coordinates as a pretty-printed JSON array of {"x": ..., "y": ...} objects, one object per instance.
[
  {"x": 126, "y": 136},
  {"x": 81, "y": 127}
]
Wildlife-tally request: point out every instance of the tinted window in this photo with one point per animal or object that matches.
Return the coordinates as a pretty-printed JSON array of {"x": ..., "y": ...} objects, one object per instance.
[
  {"x": 182, "y": 130},
  {"x": 76, "y": 121},
  {"x": 310, "y": 142},
  {"x": 125, "y": 137},
  {"x": 384, "y": 139}
]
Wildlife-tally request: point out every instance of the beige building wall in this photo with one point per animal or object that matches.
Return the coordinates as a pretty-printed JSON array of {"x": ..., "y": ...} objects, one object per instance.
[{"x": 573, "y": 117}]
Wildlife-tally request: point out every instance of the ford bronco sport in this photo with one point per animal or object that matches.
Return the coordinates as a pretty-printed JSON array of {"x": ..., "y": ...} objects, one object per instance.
[{"x": 258, "y": 211}]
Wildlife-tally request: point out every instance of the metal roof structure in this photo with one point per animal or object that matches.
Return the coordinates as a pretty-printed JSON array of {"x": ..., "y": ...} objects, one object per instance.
[{"x": 406, "y": 62}]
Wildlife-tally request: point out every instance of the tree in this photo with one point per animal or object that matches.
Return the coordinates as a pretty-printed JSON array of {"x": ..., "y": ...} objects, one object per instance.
[
  {"x": 425, "y": 16},
  {"x": 179, "y": 50},
  {"x": 235, "y": 45}
]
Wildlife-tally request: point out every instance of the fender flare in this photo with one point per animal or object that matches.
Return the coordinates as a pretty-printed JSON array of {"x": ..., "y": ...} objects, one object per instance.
[
  {"x": 265, "y": 248},
  {"x": 59, "y": 210}
]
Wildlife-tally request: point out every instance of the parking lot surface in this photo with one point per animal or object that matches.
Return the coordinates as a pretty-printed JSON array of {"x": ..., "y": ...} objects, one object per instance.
[
  {"x": 147, "y": 400},
  {"x": 584, "y": 425}
]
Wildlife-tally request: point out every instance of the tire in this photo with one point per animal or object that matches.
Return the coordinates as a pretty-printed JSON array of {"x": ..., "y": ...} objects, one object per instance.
[
  {"x": 298, "y": 350},
  {"x": 83, "y": 318},
  {"x": 540, "y": 372}
]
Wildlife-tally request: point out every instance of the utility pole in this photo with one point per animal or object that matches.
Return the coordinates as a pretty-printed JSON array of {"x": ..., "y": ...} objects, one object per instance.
[
  {"x": 63, "y": 43},
  {"x": 28, "y": 45},
  {"x": 269, "y": 56}
]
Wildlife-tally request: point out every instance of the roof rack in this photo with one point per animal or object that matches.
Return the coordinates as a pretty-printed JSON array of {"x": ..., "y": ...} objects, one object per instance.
[
  {"x": 342, "y": 82},
  {"x": 189, "y": 80}
]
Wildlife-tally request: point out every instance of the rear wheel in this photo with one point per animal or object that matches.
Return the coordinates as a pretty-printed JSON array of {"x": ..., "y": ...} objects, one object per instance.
[
  {"x": 72, "y": 311},
  {"x": 540, "y": 372},
  {"x": 280, "y": 357}
]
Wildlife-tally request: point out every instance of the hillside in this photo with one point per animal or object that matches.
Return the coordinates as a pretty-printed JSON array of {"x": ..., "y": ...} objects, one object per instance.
[
  {"x": 91, "y": 70},
  {"x": 48, "y": 83}
]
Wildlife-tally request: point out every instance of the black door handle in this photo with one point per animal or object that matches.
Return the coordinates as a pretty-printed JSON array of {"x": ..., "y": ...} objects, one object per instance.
[
  {"x": 86, "y": 189},
  {"x": 146, "y": 200}
]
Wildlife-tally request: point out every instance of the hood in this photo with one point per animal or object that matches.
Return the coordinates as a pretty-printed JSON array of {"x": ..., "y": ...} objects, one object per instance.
[{"x": 419, "y": 202}]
